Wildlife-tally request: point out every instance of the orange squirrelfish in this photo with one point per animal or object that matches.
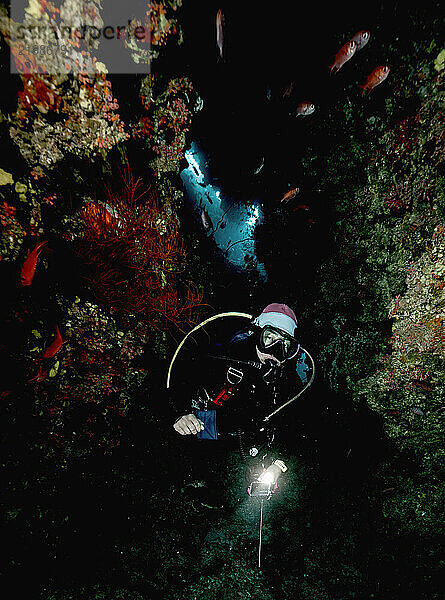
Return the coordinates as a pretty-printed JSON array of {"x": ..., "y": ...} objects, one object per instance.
[
  {"x": 361, "y": 38},
  {"x": 29, "y": 266},
  {"x": 305, "y": 108},
  {"x": 343, "y": 55},
  {"x": 377, "y": 76},
  {"x": 55, "y": 346},
  {"x": 290, "y": 194},
  {"x": 220, "y": 31}
]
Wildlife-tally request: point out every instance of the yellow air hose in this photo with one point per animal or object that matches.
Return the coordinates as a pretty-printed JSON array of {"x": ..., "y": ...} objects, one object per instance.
[
  {"x": 299, "y": 393},
  {"x": 226, "y": 314},
  {"x": 246, "y": 316}
]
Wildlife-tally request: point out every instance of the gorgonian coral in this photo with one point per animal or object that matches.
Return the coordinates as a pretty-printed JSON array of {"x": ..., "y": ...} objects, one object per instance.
[{"x": 134, "y": 252}]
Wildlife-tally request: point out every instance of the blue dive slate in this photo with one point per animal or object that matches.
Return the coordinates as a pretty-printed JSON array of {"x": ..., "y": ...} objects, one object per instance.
[{"x": 208, "y": 417}]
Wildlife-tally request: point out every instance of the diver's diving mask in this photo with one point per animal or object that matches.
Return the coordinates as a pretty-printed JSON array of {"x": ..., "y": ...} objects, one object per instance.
[{"x": 277, "y": 343}]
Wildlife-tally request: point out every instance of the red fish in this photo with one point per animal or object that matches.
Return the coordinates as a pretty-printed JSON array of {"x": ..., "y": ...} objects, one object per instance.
[
  {"x": 375, "y": 78},
  {"x": 290, "y": 194},
  {"x": 220, "y": 21},
  {"x": 311, "y": 221},
  {"x": 55, "y": 346},
  {"x": 343, "y": 55},
  {"x": 29, "y": 266},
  {"x": 301, "y": 207},
  {"x": 305, "y": 108},
  {"x": 361, "y": 38}
]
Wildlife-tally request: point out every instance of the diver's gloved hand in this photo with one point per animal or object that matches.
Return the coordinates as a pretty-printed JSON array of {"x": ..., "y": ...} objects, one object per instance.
[{"x": 188, "y": 425}]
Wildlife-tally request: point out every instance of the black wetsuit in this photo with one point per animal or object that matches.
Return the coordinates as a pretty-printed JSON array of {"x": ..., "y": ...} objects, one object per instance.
[{"x": 231, "y": 380}]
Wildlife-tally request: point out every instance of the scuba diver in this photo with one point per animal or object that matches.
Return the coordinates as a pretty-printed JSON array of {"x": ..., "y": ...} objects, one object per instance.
[{"x": 233, "y": 390}]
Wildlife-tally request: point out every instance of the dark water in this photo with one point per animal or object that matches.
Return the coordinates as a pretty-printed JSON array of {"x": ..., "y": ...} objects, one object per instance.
[{"x": 125, "y": 518}]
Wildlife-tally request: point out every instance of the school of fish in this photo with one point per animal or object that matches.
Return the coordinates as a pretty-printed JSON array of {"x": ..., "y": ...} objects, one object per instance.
[
  {"x": 347, "y": 51},
  {"x": 305, "y": 108}
]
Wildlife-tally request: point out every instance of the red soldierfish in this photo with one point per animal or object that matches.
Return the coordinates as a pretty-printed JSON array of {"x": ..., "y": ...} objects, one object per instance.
[
  {"x": 290, "y": 194},
  {"x": 29, "y": 266},
  {"x": 361, "y": 38},
  {"x": 220, "y": 31},
  {"x": 305, "y": 108},
  {"x": 301, "y": 207},
  {"x": 375, "y": 78},
  {"x": 343, "y": 55},
  {"x": 55, "y": 346},
  {"x": 206, "y": 220}
]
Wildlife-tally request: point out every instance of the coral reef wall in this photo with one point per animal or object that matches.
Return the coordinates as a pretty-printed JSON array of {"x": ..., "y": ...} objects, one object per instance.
[
  {"x": 92, "y": 253},
  {"x": 382, "y": 290}
]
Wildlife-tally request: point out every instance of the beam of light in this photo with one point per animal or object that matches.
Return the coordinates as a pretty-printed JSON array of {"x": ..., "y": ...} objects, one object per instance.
[
  {"x": 194, "y": 166},
  {"x": 251, "y": 221}
]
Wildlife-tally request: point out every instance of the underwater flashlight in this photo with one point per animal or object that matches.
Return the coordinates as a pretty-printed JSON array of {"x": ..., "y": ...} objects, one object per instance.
[
  {"x": 260, "y": 489},
  {"x": 267, "y": 477},
  {"x": 266, "y": 484},
  {"x": 270, "y": 475},
  {"x": 263, "y": 488}
]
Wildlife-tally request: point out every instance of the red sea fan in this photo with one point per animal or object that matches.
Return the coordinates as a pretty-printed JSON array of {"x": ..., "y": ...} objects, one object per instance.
[{"x": 133, "y": 253}]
